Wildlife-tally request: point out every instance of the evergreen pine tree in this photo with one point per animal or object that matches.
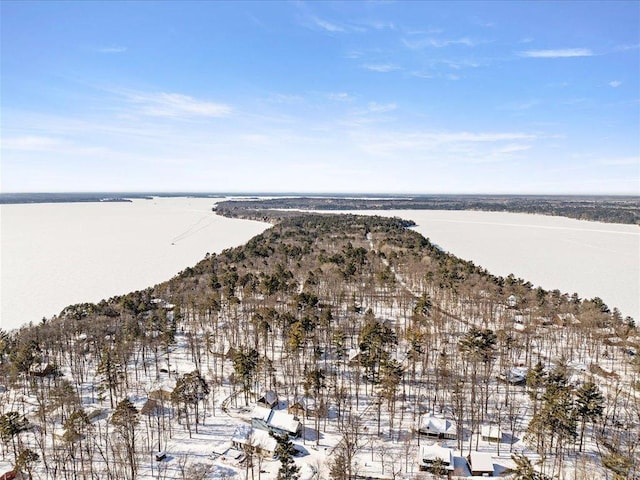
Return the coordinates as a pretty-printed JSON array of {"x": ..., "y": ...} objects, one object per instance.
[{"x": 284, "y": 452}]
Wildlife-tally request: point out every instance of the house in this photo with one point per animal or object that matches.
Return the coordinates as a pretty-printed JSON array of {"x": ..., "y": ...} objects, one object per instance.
[
  {"x": 277, "y": 422},
  {"x": 430, "y": 454},
  {"x": 228, "y": 453},
  {"x": 269, "y": 399},
  {"x": 353, "y": 356},
  {"x": 515, "y": 376},
  {"x": 512, "y": 301},
  {"x": 545, "y": 321},
  {"x": 259, "y": 441},
  {"x": 491, "y": 433},
  {"x": 481, "y": 464},
  {"x": 303, "y": 407},
  {"x": 565, "y": 319},
  {"x": 441, "y": 428}
]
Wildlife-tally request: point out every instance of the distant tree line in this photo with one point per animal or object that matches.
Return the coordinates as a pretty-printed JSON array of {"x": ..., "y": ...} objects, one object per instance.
[{"x": 611, "y": 209}]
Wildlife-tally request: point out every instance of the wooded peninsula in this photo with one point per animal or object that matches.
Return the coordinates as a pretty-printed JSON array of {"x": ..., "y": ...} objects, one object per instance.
[{"x": 380, "y": 355}]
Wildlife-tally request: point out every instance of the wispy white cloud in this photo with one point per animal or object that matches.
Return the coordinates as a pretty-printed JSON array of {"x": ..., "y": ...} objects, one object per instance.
[
  {"x": 624, "y": 48},
  {"x": 378, "y": 24},
  {"x": 513, "y": 148},
  {"x": 381, "y": 67},
  {"x": 427, "y": 75},
  {"x": 558, "y": 53},
  {"x": 34, "y": 143},
  {"x": 465, "y": 147},
  {"x": 327, "y": 26},
  {"x": 416, "y": 44},
  {"x": 339, "y": 96},
  {"x": 353, "y": 54},
  {"x": 375, "y": 107},
  {"x": 615, "y": 83},
  {"x": 30, "y": 143},
  {"x": 285, "y": 98},
  {"x": 175, "y": 105}
]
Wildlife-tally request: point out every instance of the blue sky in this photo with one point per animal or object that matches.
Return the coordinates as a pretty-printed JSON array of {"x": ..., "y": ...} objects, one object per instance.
[{"x": 386, "y": 97}]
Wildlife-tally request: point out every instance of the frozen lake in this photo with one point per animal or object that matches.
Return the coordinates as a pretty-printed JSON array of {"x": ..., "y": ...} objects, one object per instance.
[
  {"x": 53, "y": 255},
  {"x": 57, "y": 254}
]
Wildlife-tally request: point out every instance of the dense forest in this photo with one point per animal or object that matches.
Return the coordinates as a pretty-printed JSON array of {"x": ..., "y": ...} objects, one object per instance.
[{"x": 362, "y": 324}]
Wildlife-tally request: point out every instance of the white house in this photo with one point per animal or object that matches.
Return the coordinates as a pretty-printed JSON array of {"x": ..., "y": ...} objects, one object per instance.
[
  {"x": 438, "y": 428},
  {"x": 491, "y": 433},
  {"x": 246, "y": 437},
  {"x": 481, "y": 464},
  {"x": 432, "y": 453},
  {"x": 277, "y": 422}
]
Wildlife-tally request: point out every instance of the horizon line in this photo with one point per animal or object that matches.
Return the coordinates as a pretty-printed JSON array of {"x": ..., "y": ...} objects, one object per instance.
[{"x": 308, "y": 194}]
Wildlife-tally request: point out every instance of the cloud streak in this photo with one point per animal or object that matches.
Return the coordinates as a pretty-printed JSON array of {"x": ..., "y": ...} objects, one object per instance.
[
  {"x": 557, "y": 53},
  {"x": 175, "y": 105},
  {"x": 469, "y": 146},
  {"x": 438, "y": 43},
  {"x": 327, "y": 26},
  {"x": 381, "y": 67}
]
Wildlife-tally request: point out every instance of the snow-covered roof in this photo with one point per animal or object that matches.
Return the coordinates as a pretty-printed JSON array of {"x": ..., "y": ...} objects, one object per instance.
[
  {"x": 438, "y": 425},
  {"x": 481, "y": 462},
  {"x": 262, "y": 413},
  {"x": 246, "y": 435},
  {"x": 221, "y": 449},
  {"x": 270, "y": 397},
  {"x": 515, "y": 375},
  {"x": 431, "y": 453},
  {"x": 278, "y": 419},
  {"x": 283, "y": 421},
  {"x": 490, "y": 431},
  {"x": 353, "y": 353}
]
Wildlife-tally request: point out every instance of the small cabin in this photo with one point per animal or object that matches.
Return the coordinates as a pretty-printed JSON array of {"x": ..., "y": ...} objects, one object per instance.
[
  {"x": 303, "y": 407},
  {"x": 259, "y": 441},
  {"x": 269, "y": 399},
  {"x": 431, "y": 455},
  {"x": 440, "y": 428},
  {"x": 481, "y": 464},
  {"x": 491, "y": 433}
]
